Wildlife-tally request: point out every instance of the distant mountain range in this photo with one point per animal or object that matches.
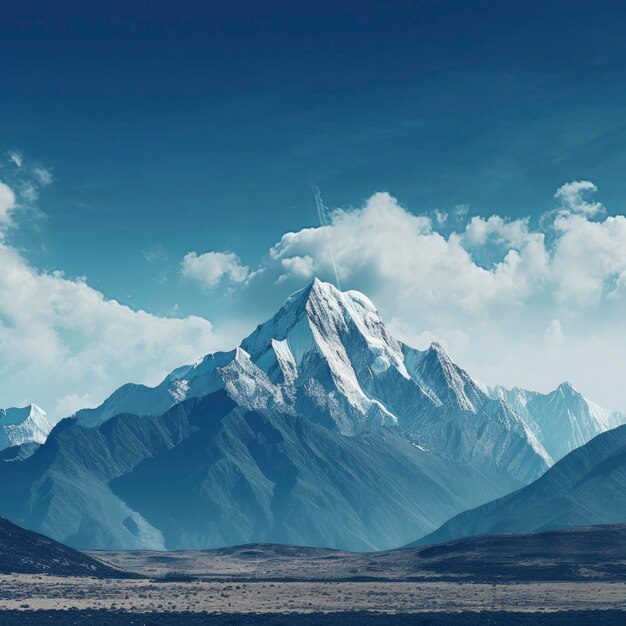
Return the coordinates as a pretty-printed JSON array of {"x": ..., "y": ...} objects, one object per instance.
[
  {"x": 562, "y": 420},
  {"x": 319, "y": 429}
]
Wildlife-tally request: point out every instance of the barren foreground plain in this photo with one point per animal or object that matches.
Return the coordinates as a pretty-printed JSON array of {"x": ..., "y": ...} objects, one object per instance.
[{"x": 562, "y": 577}]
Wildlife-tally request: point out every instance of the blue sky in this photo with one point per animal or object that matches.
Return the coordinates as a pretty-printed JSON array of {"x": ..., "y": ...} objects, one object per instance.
[{"x": 177, "y": 128}]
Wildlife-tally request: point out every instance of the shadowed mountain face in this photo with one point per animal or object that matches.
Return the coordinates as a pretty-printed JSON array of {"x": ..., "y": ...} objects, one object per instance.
[
  {"x": 209, "y": 473},
  {"x": 586, "y": 487},
  {"x": 26, "y": 552}
]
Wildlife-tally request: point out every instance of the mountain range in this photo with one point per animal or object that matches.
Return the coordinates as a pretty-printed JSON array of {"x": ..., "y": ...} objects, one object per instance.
[{"x": 319, "y": 429}]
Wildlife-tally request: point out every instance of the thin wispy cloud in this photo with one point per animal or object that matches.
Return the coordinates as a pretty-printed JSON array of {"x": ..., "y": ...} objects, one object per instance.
[
  {"x": 43, "y": 175},
  {"x": 16, "y": 158},
  {"x": 155, "y": 254}
]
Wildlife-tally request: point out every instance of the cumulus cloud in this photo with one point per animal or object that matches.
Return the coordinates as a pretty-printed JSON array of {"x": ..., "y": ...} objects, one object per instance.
[
  {"x": 63, "y": 343},
  {"x": 554, "y": 334},
  {"x": 7, "y": 204},
  {"x": 297, "y": 267},
  {"x": 506, "y": 232},
  {"x": 589, "y": 258},
  {"x": 574, "y": 197},
  {"x": 210, "y": 268},
  {"x": 389, "y": 250}
]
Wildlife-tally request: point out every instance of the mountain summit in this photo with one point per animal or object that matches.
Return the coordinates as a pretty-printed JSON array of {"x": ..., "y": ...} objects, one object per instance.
[{"x": 20, "y": 426}]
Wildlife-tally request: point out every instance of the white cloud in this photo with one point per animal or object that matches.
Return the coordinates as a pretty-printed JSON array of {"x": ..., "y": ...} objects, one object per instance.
[
  {"x": 505, "y": 232},
  {"x": 554, "y": 334},
  {"x": 7, "y": 204},
  {"x": 298, "y": 267},
  {"x": 15, "y": 156},
  {"x": 65, "y": 345},
  {"x": 43, "y": 175},
  {"x": 210, "y": 268},
  {"x": 573, "y": 197},
  {"x": 588, "y": 258},
  {"x": 388, "y": 250}
]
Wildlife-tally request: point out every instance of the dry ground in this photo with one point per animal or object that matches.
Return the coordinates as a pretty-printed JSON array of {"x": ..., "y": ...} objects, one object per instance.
[{"x": 23, "y": 591}]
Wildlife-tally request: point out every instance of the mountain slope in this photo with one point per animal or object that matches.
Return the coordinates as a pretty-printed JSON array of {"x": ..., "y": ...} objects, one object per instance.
[
  {"x": 587, "y": 487},
  {"x": 25, "y": 552},
  {"x": 209, "y": 473},
  {"x": 328, "y": 355},
  {"x": 25, "y": 425}
]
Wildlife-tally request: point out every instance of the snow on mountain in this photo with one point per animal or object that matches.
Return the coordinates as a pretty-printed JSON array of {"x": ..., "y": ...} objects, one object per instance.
[
  {"x": 562, "y": 419},
  {"x": 213, "y": 372},
  {"x": 585, "y": 488},
  {"x": 23, "y": 425},
  {"x": 328, "y": 355},
  {"x": 448, "y": 384}
]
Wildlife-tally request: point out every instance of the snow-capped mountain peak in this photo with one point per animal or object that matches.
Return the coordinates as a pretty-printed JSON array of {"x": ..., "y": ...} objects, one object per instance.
[
  {"x": 321, "y": 314},
  {"x": 23, "y": 425},
  {"x": 567, "y": 389},
  {"x": 321, "y": 334}
]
